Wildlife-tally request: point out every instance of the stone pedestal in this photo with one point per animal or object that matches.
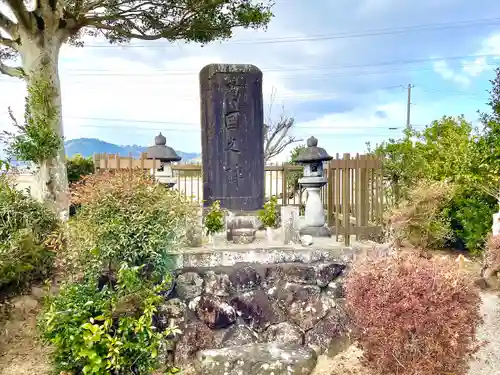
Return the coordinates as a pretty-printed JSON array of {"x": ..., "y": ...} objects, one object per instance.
[
  {"x": 241, "y": 227},
  {"x": 314, "y": 219}
]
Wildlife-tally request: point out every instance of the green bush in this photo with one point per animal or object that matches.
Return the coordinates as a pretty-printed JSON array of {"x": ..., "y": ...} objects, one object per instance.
[
  {"x": 78, "y": 166},
  {"x": 106, "y": 331},
  {"x": 448, "y": 150},
  {"x": 471, "y": 213},
  {"x": 269, "y": 215},
  {"x": 128, "y": 217},
  {"x": 25, "y": 227},
  {"x": 214, "y": 220}
]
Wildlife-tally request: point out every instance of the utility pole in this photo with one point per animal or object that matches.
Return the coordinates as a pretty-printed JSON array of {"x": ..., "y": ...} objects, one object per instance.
[{"x": 408, "y": 106}]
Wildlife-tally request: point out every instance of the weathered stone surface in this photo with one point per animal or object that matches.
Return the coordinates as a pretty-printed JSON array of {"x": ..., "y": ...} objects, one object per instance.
[
  {"x": 245, "y": 278},
  {"x": 335, "y": 289},
  {"x": 232, "y": 132},
  {"x": 301, "y": 302},
  {"x": 239, "y": 334},
  {"x": 289, "y": 224},
  {"x": 189, "y": 285},
  {"x": 330, "y": 334},
  {"x": 257, "y": 310},
  {"x": 285, "y": 333},
  {"x": 315, "y": 274},
  {"x": 273, "y": 273},
  {"x": 325, "y": 273},
  {"x": 215, "y": 312},
  {"x": 196, "y": 336},
  {"x": 261, "y": 359},
  {"x": 218, "y": 284},
  {"x": 300, "y": 273},
  {"x": 171, "y": 313}
]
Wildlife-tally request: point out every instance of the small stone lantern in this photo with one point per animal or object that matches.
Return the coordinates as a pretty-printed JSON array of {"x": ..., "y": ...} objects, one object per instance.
[
  {"x": 166, "y": 155},
  {"x": 312, "y": 158}
]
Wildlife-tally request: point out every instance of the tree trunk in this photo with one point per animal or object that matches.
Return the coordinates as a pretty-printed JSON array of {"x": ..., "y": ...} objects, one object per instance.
[{"x": 40, "y": 59}]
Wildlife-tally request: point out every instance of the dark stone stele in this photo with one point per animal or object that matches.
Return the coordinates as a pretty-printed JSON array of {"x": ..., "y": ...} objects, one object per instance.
[{"x": 232, "y": 136}]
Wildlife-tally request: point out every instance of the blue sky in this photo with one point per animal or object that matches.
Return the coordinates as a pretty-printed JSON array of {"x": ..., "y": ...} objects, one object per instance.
[{"x": 339, "y": 67}]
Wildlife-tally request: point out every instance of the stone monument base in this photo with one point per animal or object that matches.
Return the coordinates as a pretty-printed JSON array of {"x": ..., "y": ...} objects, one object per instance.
[
  {"x": 241, "y": 226},
  {"x": 316, "y": 231}
]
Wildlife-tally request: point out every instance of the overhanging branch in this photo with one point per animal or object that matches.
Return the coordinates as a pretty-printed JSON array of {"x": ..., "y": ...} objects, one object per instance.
[
  {"x": 20, "y": 12},
  {"x": 7, "y": 25},
  {"x": 94, "y": 23},
  {"x": 8, "y": 43},
  {"x": 16, "y": 72}
]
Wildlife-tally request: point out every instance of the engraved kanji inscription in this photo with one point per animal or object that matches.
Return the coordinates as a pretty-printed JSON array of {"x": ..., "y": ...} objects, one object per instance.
[
  {"x": 234, "y": 174},
  {"x": 231, "y": 120},
  {"x": 231, "y": 145},
  {"x": 233, "y": 96}
]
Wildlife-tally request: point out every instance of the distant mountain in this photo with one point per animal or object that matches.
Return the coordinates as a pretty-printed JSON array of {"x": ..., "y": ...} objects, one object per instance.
[{"x": 89, "y": 146}]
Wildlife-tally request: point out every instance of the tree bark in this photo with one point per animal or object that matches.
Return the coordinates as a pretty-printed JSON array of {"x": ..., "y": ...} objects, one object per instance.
[{"x": 40, "y": 59}]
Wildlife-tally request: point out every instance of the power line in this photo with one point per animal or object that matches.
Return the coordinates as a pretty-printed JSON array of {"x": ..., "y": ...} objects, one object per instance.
[
  {"x": 191, "y": 124},
  {"x": 309, "y": 70},
  {"x": 198, "y": 125},
  {"x": 322, "y": 37},
  {"x": 304, "y": 68},
  {"x": 452, "y": 92}
]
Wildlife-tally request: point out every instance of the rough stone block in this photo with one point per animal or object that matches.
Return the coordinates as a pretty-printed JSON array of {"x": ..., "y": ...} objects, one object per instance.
[{"x": 262, "y": 359}]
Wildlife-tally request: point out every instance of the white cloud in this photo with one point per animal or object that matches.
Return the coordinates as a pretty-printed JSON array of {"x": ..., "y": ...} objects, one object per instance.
[
  {"x": 442, "y": 68},
  {"x": 476, "y": 67},
  {"x": 490, "y": 46}
]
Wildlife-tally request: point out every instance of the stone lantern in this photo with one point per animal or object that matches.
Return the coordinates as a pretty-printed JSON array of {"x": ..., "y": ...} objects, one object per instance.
[
  {"x": 166, "y": 155},
  {"x": 312, "y": 158}
]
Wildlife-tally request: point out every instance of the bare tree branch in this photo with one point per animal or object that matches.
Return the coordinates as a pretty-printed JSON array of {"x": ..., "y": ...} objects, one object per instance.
[{"x": 276, "y": 138}]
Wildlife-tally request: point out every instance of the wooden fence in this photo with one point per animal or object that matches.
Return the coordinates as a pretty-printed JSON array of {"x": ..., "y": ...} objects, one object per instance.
[{"x": 353, "y": 198}]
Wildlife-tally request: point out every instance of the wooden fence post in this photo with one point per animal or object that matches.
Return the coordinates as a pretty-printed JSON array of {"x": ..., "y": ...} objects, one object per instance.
[{"x": 346, "y": 192}]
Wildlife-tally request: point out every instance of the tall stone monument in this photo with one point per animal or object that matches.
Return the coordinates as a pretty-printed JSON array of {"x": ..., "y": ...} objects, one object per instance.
[{"x": 232, "y": 136}]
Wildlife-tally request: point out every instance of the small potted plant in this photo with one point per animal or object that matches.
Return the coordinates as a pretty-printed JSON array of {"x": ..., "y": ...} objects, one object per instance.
[
  {"x": 269, "y": 217},
  {"x": 214, "y": 221}
]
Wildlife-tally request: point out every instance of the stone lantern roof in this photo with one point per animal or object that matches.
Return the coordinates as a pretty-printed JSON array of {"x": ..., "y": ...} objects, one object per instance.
[
  {"x": 313, "y": 153},
  {"x": 160, "y": 151}
]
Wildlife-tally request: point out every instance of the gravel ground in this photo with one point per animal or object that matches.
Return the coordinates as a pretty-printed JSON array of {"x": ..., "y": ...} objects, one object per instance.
[{"x": 487, "y": 360}]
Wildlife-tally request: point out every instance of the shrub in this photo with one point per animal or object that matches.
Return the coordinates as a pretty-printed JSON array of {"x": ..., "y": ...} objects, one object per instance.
[
  {"x": 126, "y": 216},
  {"x": 269, "y": 215},
  {"x": 106, "y": 331},
  {"x": 214, "y": 220},
  {"x": 78, "y": 166},
  {"x": 422, "y": 219},
  {"x": 470, "y": 212},
  {"x": 413, "y": 315},
  {"x": 25, "y": 226}
]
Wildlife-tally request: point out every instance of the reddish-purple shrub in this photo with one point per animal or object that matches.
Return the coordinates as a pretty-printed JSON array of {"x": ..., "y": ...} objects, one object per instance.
[{"x": 412, "y": 315}]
